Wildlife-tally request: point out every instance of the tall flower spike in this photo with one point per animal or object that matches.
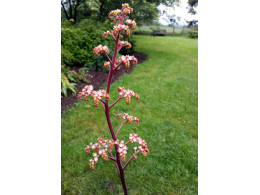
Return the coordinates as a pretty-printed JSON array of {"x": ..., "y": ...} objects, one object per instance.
[{"x": 103, "y": 147}]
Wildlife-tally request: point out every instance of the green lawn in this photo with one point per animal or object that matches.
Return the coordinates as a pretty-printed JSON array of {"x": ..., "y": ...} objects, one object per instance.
[{"x": 168, "y": 111}]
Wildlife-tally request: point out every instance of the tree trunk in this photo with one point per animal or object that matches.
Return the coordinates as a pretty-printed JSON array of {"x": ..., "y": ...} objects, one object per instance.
[{"x": 65, "y": 12}]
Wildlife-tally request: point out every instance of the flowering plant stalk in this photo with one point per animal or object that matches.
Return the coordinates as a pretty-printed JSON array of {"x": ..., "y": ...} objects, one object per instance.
[{"x": 104, "y": 146}]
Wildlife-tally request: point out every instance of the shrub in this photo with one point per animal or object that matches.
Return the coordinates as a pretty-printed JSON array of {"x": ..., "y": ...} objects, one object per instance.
[
  {"x": 192, "y": 33},
  {"x": 142, "y": 32},
  {"x": 66, "y": 57},
  {"x": 79, "y": 41}
]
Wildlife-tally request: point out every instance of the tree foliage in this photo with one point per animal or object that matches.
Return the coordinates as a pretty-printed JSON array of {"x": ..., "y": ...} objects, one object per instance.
[
  {"x": 192, "y": 4},
  {"x": 74, "y": 10},
  {"x": 145, "y": 10}
]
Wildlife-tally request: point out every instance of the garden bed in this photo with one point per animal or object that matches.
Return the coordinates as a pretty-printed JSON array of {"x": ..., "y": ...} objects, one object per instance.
[{"x": 97, "y": 79}]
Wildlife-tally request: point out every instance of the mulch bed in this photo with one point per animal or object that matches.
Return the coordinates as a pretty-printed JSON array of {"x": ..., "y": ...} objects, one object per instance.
[{"x": 97, "y": 79}]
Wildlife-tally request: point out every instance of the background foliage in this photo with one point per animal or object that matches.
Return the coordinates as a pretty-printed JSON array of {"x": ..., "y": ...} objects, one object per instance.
[
  {"x": 79, "y": 41},
  {"x": 144, "y": 10},
  {"x": 193, "y": 33}
]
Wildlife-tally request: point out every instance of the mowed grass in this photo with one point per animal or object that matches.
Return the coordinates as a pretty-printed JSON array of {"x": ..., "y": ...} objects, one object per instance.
[{"x": 167, "y": 83}]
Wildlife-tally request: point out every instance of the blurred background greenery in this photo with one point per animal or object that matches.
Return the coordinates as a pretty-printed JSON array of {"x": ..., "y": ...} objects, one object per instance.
[{"x": 85, "y": 21}]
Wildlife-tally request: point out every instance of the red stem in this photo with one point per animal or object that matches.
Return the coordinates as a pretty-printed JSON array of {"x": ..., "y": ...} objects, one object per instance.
[
  {"x": 111, "y": 158},
  {"x": 108, "y": 58},
  {"x": 115, "y": 102},
  {"x": 120, "y": 127},
  {"x": 117, "y": 66},
  {"x": 112, "y": 65},
  {"x": 119, "y": 165},
  {"x": 131, "y": 158},
  {"x": 103, "y": 106},
  {"x": 117, "y": 161},
  {"x": 121, "y": 170}
]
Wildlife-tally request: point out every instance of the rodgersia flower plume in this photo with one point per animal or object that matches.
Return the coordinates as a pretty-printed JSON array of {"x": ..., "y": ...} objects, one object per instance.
[{"x": 105, "y": 148}]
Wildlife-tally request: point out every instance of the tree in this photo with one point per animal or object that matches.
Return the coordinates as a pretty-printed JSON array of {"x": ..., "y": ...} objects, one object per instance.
[
  {"x": 192, "y": 4},
  {"x": 74, "y": 8},
  {"x": 145, "y": 11},
  {"x": 171, "y": 19}
]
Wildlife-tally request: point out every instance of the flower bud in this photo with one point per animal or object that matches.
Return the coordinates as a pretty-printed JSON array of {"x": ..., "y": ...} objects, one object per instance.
[
  {"x": 92, "y": 164},
  {"x": 123, "y": 157},
  {"x": 128, "y": 99}
]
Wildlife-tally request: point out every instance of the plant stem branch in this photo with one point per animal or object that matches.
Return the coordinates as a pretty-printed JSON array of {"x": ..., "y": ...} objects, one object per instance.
[
  {"x": 117, "y": 66},
  {"x": 131, "y": 158},
  {"x": 108, "y": 57},
  {"x": 111, "y": 158},
  {"x": 102, "y": 104},
  {"x": 122, "y": 123},
  {"x": 118, "y": 171},
  {"x": 115, "y": 102},
  {"x": 102, "y": 101},
  {"x": 110, "y": 154}
]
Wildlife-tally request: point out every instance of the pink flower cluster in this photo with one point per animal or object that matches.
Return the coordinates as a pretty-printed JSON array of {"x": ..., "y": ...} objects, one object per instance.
[
  {"x": 115, "y": 13},
  {"x": 143, "y": 145},
  {"x": 131, "y": 23},
  {"x": 100, "y": 49},
  {"x": 122, "y": 151},
  {"x": 96, "y": 95},
  {"x": 127, "y": 9},
  {"x": 120, "y": 15},
  {"x": 101, "y": 147},
  {"x": 126, "y": 60},
  {"x": 106, "y": 33},
  {"x": 127, "y": 94},
  {"x": 120, "y": 27},
  {"x": 128, "y": 118},
  {"x": 105, "y": 146},
  {"x": 124, "y": 43},
  {"x": 106, "y": 64}
]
